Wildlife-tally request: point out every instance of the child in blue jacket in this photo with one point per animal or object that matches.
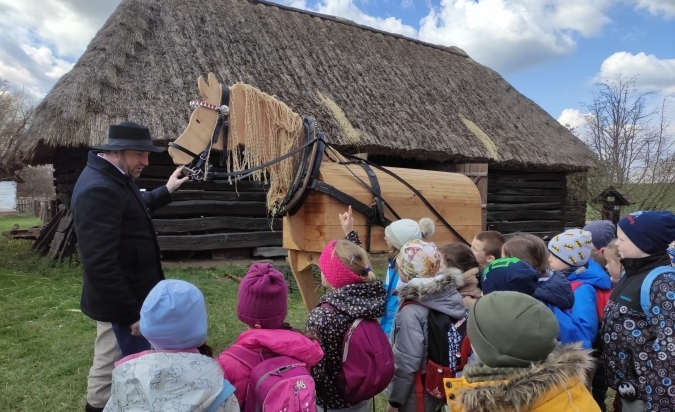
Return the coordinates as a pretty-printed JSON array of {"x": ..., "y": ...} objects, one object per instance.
[{"x": 570, "y": 254}]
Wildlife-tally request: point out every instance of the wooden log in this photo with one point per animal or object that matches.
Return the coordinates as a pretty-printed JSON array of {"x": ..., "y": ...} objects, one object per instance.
[
  {"x": 498, "y": 176},
  {"x": 524, "y": 214},
  {"x": 524, "y": 199},
  {"x": 510, "y": 191},
  {"x": 202, "y": 224},
  {"x": 258, "y": 196},
  {"x": 532, "y": 225},
  {"x": 220, "y": 241},
  {"x": 242, "y": 186},
  {"x": 532, "y": 185},
  {"x": 270, "y": 251},
  {"x": 523, "y": 206},
  {"x": 212, "y": 207}
]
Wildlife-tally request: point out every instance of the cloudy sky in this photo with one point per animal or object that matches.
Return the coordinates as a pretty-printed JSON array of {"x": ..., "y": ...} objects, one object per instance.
[{"x": 552, "y": 51}]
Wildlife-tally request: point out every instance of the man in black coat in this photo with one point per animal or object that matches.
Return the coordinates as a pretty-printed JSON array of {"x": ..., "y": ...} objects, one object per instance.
[{"x": 118, "y": 247}]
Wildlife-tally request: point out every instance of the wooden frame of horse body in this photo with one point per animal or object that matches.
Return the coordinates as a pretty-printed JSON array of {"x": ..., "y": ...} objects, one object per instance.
[{"x": 305, "y": 233}]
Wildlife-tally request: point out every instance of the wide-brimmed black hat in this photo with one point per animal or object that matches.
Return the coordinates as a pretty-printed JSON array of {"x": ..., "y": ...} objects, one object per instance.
[{"x": 129, "y": 136}]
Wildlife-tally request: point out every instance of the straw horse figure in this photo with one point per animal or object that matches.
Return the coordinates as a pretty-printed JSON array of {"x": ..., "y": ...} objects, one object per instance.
[{"x": 310, "y": 182}]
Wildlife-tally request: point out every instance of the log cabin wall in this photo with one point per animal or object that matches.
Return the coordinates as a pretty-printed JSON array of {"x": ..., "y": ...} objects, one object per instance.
[
  {"x": 208, "y": 219},
  {"x": 575, "y": 200},
  {"x": 204, "y": 219},
  {"x": 525, "y": 201}
]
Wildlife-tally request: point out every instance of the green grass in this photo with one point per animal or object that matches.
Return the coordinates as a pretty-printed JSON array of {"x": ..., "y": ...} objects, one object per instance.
[
  {"x": 24, "y": 222},
  {"x": 46, "y": 343}
]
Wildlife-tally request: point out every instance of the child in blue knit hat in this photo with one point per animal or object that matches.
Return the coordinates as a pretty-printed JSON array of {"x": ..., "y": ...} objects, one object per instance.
[
  {"x": 638, "y": 333},
  {"x": 569, "y": 253},
  {"x": 179, "y": 373}
]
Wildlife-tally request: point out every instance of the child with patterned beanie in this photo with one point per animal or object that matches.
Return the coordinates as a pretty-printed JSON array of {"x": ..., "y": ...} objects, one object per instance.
[
  {"x": 179, "y": 372},
  {"x": 354, "y": 292},
  {"x": 570, "y": 254},
  {"x": 395, "y": 235},
  {"x": 521, "y": 367},
  {"x": 427, "y": 288},
  {"x": 638, "y": 330},
  {"x": 262, "y": 305}
]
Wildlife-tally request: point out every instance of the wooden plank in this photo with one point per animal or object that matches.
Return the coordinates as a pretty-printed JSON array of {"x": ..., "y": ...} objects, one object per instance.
[
  {"x": 43, "y": 241},
  {"x": 524, "y": 199},
  {"x": 499, "y": 176},
  {"x": 532, "y": 185},
  {"x": 524, "y": 206},
  {"x": 532, "y": 225},
  {"x": 244, "y": 185},
  {"x": 508, "y": 191},
  {"x": 220, "y": 241},
  {"x": 524, "y": 214},
  {"x": 212, "y": 207},
  {"x": 202, "y": 224},
  {"x": 181, "y": 194}
]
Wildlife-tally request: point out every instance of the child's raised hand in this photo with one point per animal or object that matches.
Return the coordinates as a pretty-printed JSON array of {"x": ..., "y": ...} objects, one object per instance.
[{"x": 347, "y": 221}]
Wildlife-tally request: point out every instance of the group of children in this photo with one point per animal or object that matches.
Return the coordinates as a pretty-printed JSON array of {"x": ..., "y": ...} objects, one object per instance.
[{"x": 526, "y": 326}]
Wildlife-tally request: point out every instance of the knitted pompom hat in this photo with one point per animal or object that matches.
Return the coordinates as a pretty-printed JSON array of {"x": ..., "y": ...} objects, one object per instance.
[
  {"x": 418, "y": 258},
  {"x": 262, "y": 299},
  {"x": 173, "y": 316},
  {"x": 404, "y": 230},
  {"x": 334, "y": 270},
  {"x": 573, "y": 246}
]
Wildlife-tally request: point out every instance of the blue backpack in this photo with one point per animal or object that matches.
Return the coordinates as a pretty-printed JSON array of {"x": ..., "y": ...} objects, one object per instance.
[{"x": 646, "y": 287}]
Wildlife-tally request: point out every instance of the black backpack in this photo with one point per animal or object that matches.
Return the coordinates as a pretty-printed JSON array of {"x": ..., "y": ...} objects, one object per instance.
[{"x": 445, "y": 337}]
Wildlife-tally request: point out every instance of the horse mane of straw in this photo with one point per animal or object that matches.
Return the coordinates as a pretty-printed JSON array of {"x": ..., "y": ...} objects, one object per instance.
[{"x": 271, "y": 130}]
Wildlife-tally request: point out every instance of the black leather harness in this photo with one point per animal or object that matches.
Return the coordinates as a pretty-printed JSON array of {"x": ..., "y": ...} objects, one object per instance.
[{"x": 306, "y": 177}]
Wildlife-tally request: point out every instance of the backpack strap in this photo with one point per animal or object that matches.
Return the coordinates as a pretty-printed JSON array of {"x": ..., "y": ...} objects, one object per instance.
[
  {"x": 646, "y": 287},
  {"x": 238, "y": 353},
  {"x": 225, "y": 393}
]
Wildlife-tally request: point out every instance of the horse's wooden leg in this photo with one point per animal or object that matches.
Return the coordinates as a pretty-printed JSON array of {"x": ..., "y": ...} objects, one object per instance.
[{"x": 300, "y": 262}]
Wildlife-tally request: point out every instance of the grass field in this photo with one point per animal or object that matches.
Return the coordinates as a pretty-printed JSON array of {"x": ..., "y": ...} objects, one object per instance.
[{"x": 46, "y": 343}]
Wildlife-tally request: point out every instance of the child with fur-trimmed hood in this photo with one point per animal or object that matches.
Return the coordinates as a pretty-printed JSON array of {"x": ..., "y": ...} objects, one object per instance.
[
  {"x": 418, "y": 266},
  {"x": 521, "y": 367}
]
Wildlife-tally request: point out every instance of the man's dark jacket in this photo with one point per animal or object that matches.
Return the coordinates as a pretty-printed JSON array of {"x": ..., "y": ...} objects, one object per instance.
[{"x": 117, "y": 241}]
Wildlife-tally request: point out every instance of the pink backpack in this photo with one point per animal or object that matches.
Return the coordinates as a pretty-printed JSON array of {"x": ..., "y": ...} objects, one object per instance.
[
  {"x": 280, "y": 384},
  {"x": 367, "y": 360}
]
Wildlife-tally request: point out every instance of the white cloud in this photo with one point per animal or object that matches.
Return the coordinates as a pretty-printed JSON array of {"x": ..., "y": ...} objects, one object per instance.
[
  {"x": 572, "y": 117},
  {"x": 509, "y": 35},
  {"x": 42, "y": 41},
  {"x": 652, "y": 73},
  {"x": 663, "y": 8},
  {"x": 348, "y": 10}
]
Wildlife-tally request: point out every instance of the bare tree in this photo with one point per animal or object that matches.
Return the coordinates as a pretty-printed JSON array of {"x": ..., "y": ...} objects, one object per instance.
[
  {"x": 16, "y": 112},
  {"x": 634, "y": 144}
]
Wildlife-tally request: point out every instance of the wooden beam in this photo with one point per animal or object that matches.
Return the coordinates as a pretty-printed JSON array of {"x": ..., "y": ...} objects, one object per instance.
[
  {"x": 202, "y": 224},
  {"x": 180, "y": 194},
  {"x": 524, "y": 214},
  {"x": 212, "y": 207},
  {"x": 220, "y": 241},
  {"x": 524, "y": 206},
  {"x": 531, "y": 225}
]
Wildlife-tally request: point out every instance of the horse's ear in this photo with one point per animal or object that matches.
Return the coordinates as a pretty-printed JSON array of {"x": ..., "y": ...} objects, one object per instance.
[{"x": 210, "y": 90}]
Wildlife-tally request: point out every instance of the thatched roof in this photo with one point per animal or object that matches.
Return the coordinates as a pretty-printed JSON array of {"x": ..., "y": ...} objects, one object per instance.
[{"x": 384, "y": 93}]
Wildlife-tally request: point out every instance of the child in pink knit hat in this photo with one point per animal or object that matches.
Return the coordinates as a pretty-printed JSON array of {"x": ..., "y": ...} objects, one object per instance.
[
  {"x": 354, "y": 292},
  {"x": 262, "y": 304}
]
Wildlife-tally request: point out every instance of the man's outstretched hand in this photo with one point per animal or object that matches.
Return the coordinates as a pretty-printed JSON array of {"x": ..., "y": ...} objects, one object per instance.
[{"x": 175, "y": 181}]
